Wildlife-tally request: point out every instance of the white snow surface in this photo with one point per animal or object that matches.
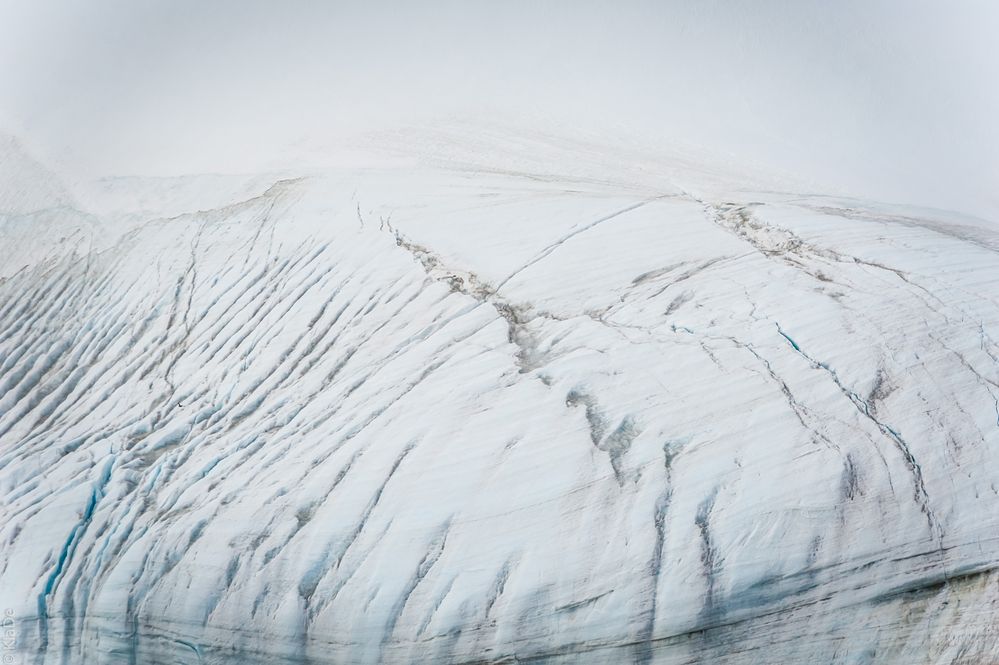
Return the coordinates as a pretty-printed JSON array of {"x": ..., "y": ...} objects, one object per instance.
[{"x": 574, "y": 407}]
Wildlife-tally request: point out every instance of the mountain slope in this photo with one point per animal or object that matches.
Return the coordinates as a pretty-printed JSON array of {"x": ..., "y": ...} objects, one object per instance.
[{"x": 487, "y": 415}]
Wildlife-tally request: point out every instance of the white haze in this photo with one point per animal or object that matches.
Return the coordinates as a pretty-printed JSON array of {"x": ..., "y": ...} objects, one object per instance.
[{"x": 891, "y": 100}]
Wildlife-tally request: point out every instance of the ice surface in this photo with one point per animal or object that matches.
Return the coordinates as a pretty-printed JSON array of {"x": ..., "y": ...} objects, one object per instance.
[{"x": 560, "y": 410}]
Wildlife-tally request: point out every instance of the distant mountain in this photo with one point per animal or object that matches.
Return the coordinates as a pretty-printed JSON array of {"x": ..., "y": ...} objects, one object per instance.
[{"x": 25, "y": 185}]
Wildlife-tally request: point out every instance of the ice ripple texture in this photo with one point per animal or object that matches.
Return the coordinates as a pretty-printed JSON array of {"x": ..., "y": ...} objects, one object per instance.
[{"x": 495, "y": 417}]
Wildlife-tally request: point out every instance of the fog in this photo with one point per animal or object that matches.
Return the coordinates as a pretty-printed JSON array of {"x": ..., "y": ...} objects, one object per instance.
[{"x": 889, "y": 100}]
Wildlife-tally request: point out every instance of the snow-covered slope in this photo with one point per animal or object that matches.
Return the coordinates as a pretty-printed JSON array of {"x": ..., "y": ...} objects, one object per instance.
[
  {"x": 38, "y": 217},
  {"x": 515, "y": 414}
]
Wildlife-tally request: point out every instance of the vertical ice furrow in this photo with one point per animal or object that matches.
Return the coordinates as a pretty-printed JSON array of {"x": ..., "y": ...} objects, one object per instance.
[
  {"x": 49, "y": 317},
  {"x": 80, "y": 368},
  {"x": 97, "y": 378},
  {"x": 106, "y": 292},
  {"x": 192, "y": 272},
  {"x": 435, "y": 606},
  {"x": 280, "y": 379},
  {"x": 353, "y": 562},
  {"x": 920, "y": 495},
  {"x": 26, "y": 386},
  {"x": 338, "y": 478},
  {"x": 359, "y": 424},
  {"x": 433, "y": 554},
  {"x": 383, "y": 363},
  {"x": 224, "y": 318},
  {"x": 800, "y": 411},
  {"x": 344, "y": 358},
  {"x": 263, "y": 307},
  {"x": 313, "y": 353},
  {"x": 358, "y": 383},
  {"x": 388, "y": 318},
  {"x": 90, "y": 342},
  {"x": 709, "y": 555},
  {"x": 286, "y": 292},
  {"x": 424, "y": 334},
  {"x": 264, "y": 216},
  {"x": 14, "y": 377},
  {"x": 66, "y": 552},
  {"x": 46, "y": 333},
  {"x": 645, "y": 635},
  {"x": 980, "y": 377},
  {"x": 39, "y": 308},
  {"x": 338, "y": 548},
  {"x": 17, "y": 292}
]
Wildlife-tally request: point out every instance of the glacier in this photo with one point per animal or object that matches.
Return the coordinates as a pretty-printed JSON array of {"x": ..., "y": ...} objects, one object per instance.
[{"x": 536, "y": 405}]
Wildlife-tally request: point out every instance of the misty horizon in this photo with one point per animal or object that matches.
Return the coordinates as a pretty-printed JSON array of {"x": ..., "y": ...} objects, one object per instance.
[{"x": 859, "y": 99}]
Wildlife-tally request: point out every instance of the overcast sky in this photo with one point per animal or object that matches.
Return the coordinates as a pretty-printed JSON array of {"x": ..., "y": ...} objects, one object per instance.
[{"x": 896, "y": 100}]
